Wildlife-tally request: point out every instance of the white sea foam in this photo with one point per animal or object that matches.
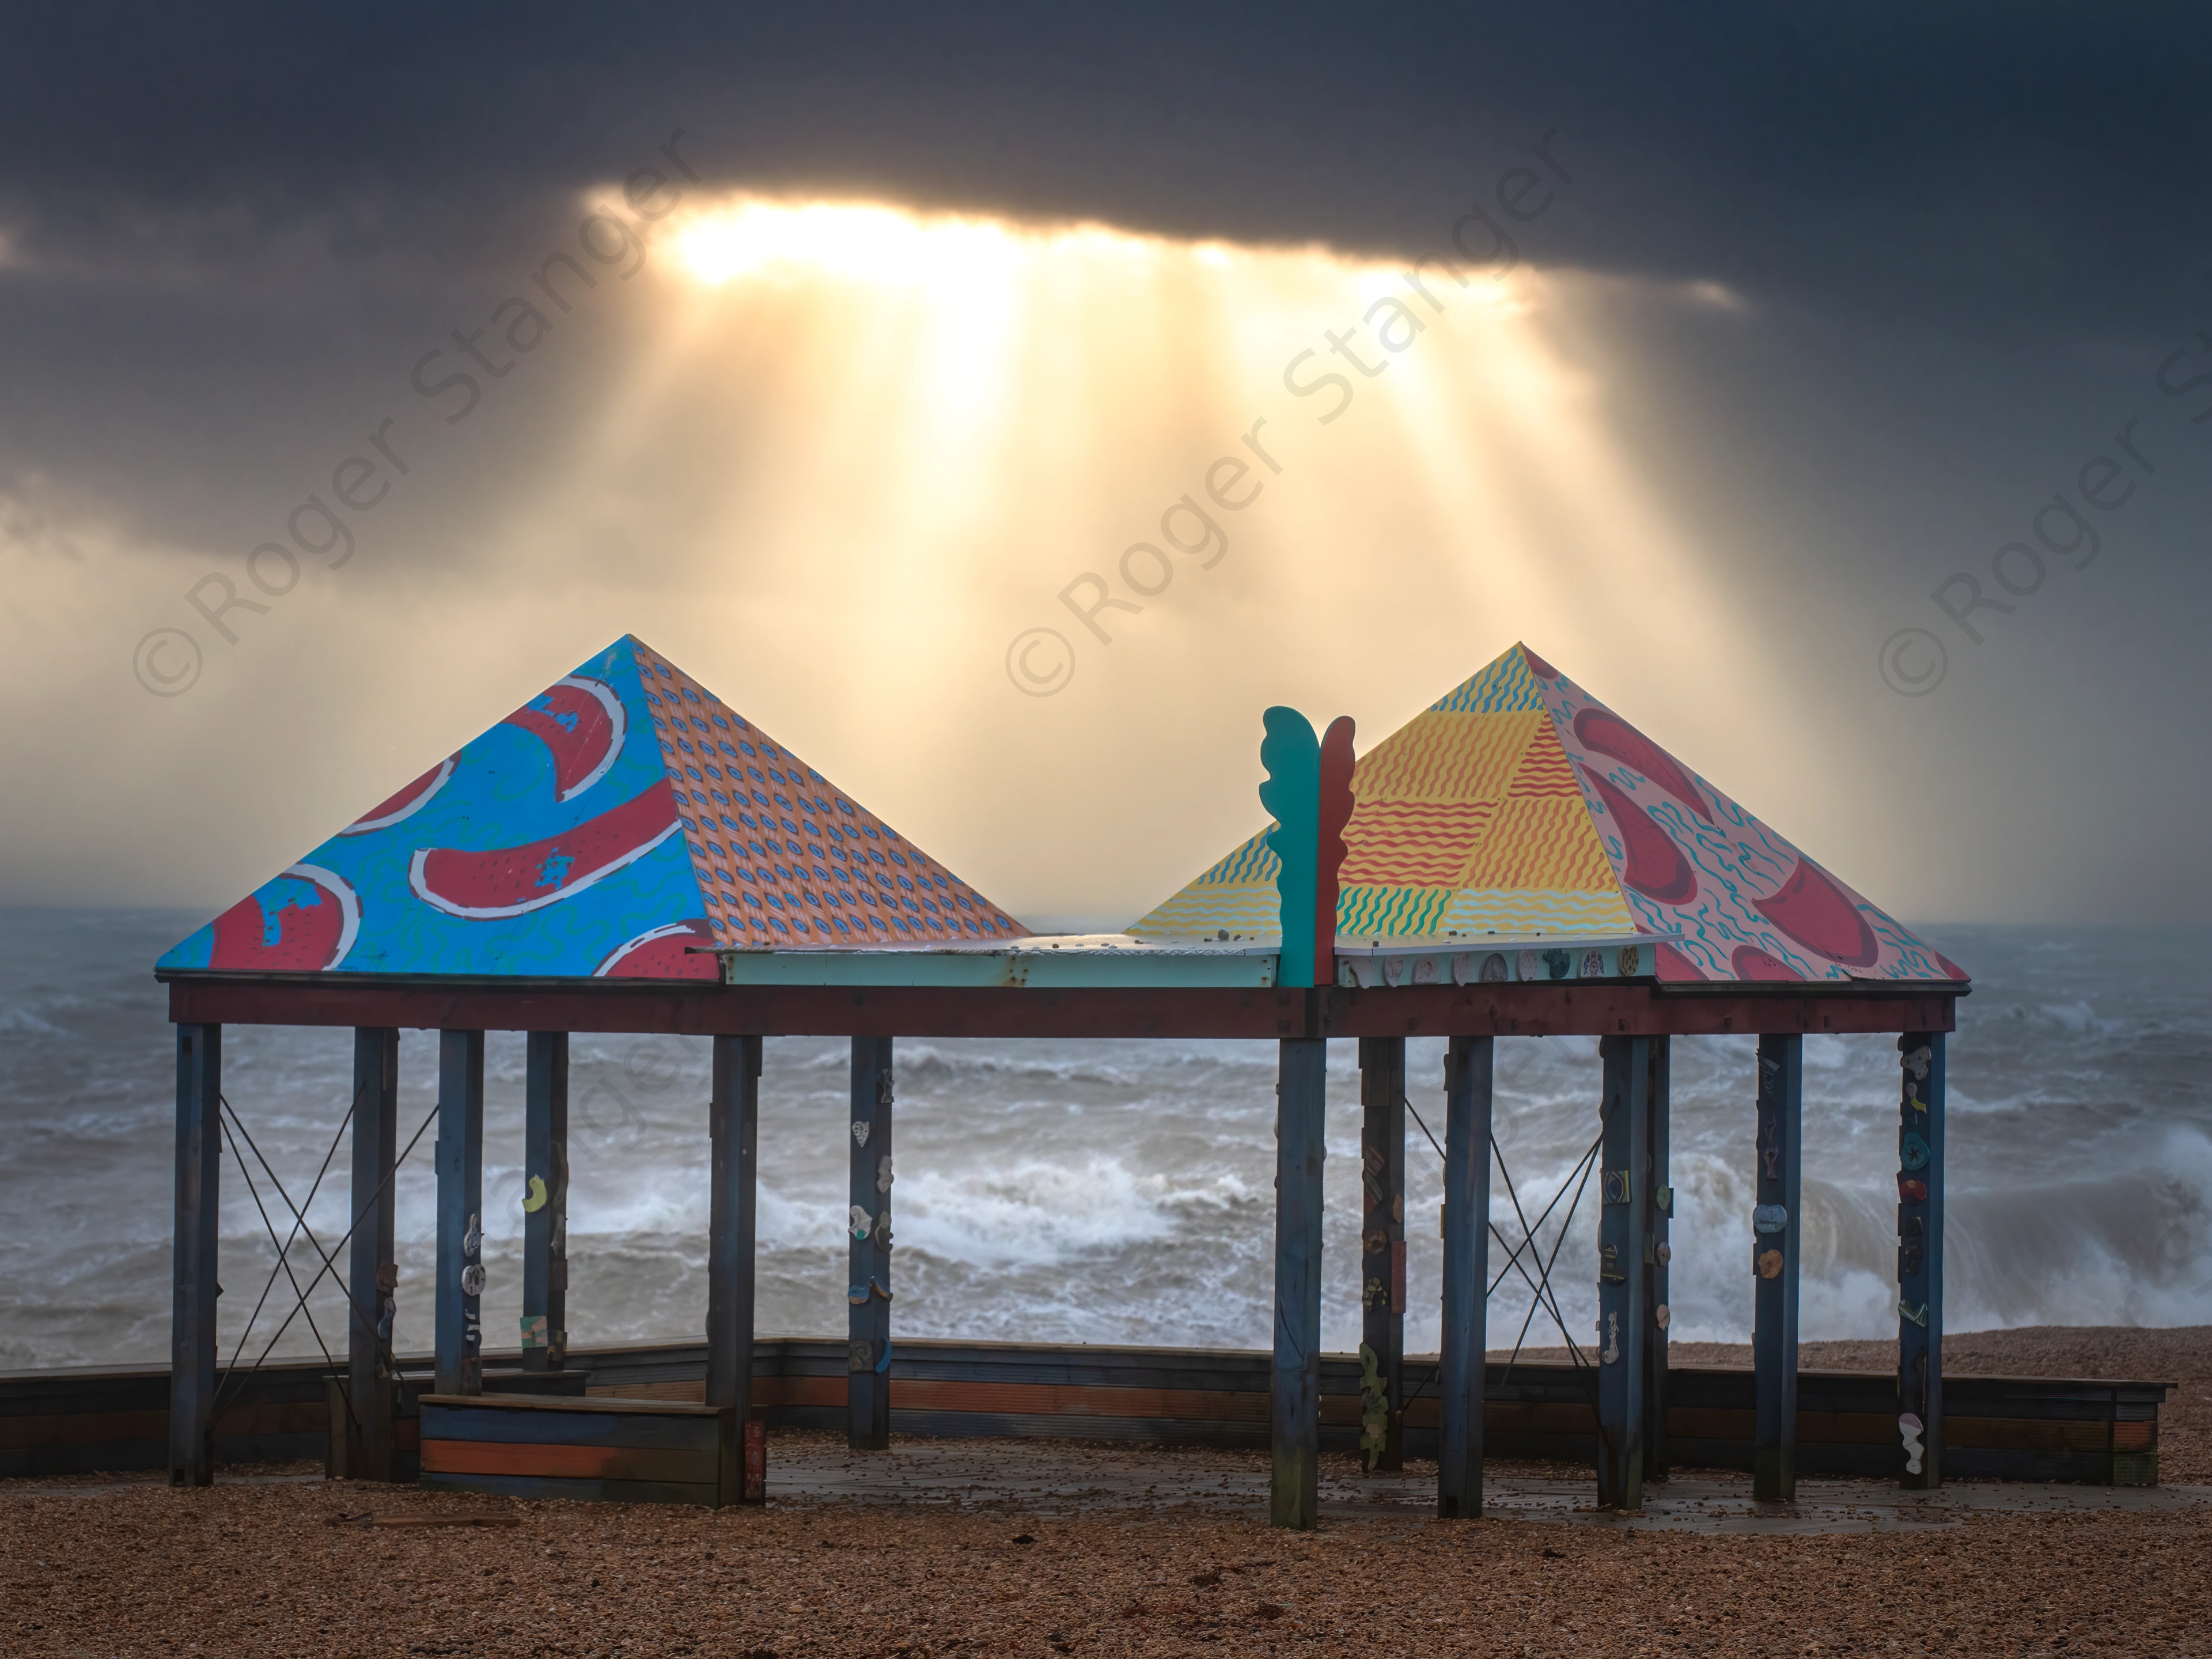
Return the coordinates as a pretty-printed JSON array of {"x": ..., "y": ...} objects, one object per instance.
[{"x": 1120, "y": 1192}]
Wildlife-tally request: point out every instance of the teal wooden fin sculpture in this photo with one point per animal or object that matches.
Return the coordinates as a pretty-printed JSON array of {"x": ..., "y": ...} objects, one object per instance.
[{"x": 1292, "y": 756}]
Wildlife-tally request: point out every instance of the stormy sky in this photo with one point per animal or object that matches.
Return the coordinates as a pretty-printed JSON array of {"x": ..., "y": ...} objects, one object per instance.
[{"x": 1833, "y": 399}]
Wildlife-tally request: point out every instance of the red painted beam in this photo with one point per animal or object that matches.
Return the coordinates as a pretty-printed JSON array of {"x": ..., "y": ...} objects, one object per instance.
[{"x": 689, "y": 1008}]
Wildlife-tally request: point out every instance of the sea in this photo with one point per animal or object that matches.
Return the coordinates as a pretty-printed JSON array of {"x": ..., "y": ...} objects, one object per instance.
[{"x": 1104, "y": 1192}]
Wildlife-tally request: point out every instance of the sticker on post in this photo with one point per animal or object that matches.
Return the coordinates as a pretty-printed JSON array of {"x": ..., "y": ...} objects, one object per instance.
[
  {"x": 1769, "y": 1219},
  {"x": 1910, "y": 1429},
  {"x": 1912, "y": 1151},
  {"x": 860, "y": 1127},
  {"x": 1614, "y": 1187},
  {"x": 1770, "y": 1264},
  {"x": 535, "y": 1199},
  {"x": 534, "y": 1334},
  {"x": 858, "y": 1222},
  {"x": 859, "y": 1356},
  {"x": 472, "y": 1280},
  {"x": 1659, "y": 1316},
  {"x": 1611, "y": 1354},
  {"x": 1919, "y": 1317},
  {"x": 884, "y": 1173},
  {"x": 1911, "y": 1191}
]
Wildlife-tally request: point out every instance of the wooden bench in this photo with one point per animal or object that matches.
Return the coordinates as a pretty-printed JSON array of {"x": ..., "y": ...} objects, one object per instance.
[{"x": 633, "y": 1451}]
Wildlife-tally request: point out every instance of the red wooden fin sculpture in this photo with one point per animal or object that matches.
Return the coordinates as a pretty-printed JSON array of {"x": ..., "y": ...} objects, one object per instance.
[{"x": 1336, "y": 803}]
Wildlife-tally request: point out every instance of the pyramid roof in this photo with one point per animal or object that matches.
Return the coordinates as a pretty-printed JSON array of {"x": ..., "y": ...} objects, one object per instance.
[
  {"x": 1518, "y": 807},
  {"x": 613, "y": 825}
]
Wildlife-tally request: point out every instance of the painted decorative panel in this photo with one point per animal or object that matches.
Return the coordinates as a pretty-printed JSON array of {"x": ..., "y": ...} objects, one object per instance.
[{"x": 615, "y": 825}]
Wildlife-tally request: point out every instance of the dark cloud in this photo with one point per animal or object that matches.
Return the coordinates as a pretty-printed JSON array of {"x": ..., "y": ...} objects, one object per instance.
[
  {"x": 2036, "y": 162},
  {"x": 1891, "y": 277}
]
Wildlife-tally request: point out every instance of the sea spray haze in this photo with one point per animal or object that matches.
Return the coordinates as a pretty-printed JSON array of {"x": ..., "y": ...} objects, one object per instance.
[{"x": 1115, "y": 1192}]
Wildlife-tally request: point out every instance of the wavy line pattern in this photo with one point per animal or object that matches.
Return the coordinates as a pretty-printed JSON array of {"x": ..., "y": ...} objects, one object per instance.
[
  {"x": 1252, "y": 861},
  {"x": 1446, "y": 756},
  {"x": 1505, "y": 686},
  {"x": 1531, "y": 910},
  {"x": 1414, "y": 843},
  {"x": 1390, "y": 912},
  {"x": 1541, "y": 843},
  {"x": 1242, "y": 910},
  {"x": 1545, "y": 771}
]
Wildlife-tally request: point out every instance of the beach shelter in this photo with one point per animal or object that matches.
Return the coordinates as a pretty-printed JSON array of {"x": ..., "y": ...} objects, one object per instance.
[
  {"x": 623, "y": 822},
  {"x": 1518, "y": 808},
  {"x": 600, "y": 843},
  {"x": 626, "y": 854}
]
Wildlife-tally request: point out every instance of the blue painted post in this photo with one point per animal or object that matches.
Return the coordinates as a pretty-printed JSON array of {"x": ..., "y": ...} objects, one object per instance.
[
  {"x": 1301, "y": 1123},
  {"x": 371, "y": 1275},
  {"x": 1920, "y": 1260},
  {"x": 191, "y": 1310},
  {"x": 1624, "y": 1227},
  {"x": 545, "y": 1202},
  {"x": 1467, "y": 1275},
  {"x": 868, "y": 1296},
  {"x": 1382, "y": 1236},
  {"x": 1655, "y": 1311},
  {"x": 733, "y": 1131},
  {"x": 460, "y": 1212},
  {"x": 1776, "y": 1231}
]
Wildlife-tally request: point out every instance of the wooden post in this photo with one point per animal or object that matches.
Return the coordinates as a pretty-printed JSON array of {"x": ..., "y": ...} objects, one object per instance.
[
  {"x": 1467, "y": 1275},
  {"x": 1382, "y": 1231},
  {"x": 1920, "y": 1259},
  {"x": 460, "y": 1212},
  {"x": 1655, "y": 1312},
  {"x": 191, "y": 1310},
  {"x": 545, "y": 1203},
  {"x": 733, "y": 1131},
  {"x": 1623, "y": 1226},
  {"x": 1776, "y": 1230},
  {"x": 1301, "y": 1122},
  {"x": 868, "y": 1297},
  {"x": 372, "y": 1273}
]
